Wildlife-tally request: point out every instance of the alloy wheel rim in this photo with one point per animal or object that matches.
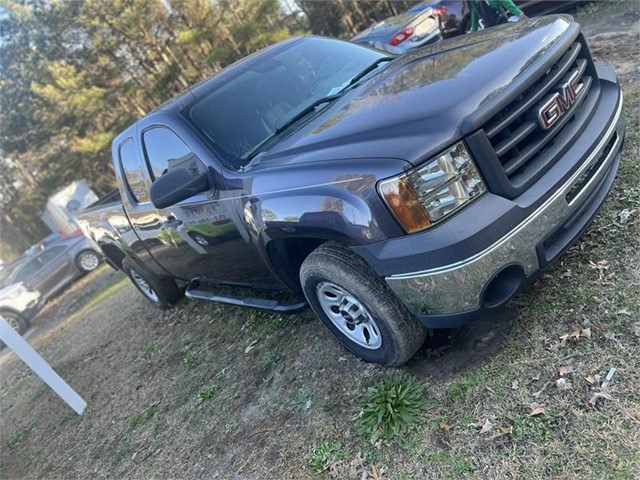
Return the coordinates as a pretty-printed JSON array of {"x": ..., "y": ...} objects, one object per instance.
[
  {"x": 89, "y": 261},
  {"x": 12, "y": 321},
  {"x": 144, "y": 286},
  {"x": 349, "y": 315}
]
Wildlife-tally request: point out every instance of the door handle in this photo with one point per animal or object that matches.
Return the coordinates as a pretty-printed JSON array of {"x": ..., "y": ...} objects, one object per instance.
[{"x": 172, "y": 222}]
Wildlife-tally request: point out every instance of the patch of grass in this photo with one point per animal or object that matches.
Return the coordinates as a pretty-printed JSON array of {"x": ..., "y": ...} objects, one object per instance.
[
  {"x": 147, "y": 351},
  {"x": 457, "y": 465},
  {"x": 324, "y": 454},
  {"x": 19, "y": 438},
  {"x": 207, "y": 393},
  {"x": 39, "y": 393},
  {"x": 301, "y": 401},
  {"x": 230, "y": 427},
  {"x": 270, "y": 360},
  {"x": 144, "y": 416},
  {"x": 66, "y": 416},
  {"x": 115, "y": 284},
  {"x": 391, "y": 407},
  {"x": 18, "y": 387},
  {"x": 462, "y": 389},
  {"x": 191, "y": 355}
]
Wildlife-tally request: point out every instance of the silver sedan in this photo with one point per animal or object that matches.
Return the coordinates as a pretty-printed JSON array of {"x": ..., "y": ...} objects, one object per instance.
[{"x": 55, "y": 267}]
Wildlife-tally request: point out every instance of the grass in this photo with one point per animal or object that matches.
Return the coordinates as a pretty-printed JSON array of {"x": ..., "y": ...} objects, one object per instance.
[
  {"x": 324, "y": 454},
  {"x": 143, "y": 417},
  {"x": 118, "y": 281},
  {"x": 147, "y": 351},
  {"x": 207, "y": 393},
  {"x": 391, "y": 407}
]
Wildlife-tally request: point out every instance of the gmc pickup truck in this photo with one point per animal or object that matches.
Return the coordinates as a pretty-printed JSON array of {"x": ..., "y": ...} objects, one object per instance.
[{"x": 391, "y": 194}]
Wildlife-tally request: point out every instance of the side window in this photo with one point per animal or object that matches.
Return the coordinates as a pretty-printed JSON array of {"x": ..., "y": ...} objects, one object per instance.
[
  {"x": 165, "y": 151},
  {"x": 27, "y": 270},
  {"x": 50, "y": 255},
  {"x": 133, "y": 171}
]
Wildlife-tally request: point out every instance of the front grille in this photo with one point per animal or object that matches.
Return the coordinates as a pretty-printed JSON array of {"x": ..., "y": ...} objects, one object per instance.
[{"x": 515, "y": 133}]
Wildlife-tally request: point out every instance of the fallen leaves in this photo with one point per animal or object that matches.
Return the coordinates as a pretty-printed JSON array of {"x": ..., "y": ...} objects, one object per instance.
[
  {"x": 508, "y": 430},
  {"x": 445, "y": 426},
  {"x": 486, "y": 427},
  {"x": 355, "y": 469},
  {"x": 575, "y": 336},
  {"x": 599, "y": 395},
  {"x": 564, "y": 371},
  {"x": 536, "y": 409}
]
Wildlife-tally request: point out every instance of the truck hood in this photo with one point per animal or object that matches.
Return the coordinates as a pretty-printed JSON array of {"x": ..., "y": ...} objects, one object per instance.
[{"x": 426, "y": 99}]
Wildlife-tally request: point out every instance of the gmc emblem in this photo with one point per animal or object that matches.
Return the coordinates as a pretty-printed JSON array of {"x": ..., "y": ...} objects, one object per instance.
[{"x": 560, "y": 102}]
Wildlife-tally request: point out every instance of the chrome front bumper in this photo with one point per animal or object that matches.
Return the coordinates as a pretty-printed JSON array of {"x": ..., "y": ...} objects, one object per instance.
[{"x": 459, "y": 288}]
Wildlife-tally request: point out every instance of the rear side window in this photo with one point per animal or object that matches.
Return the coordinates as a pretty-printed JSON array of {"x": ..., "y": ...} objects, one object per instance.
[
  {"x": 166, "y": 151},
  {"x": 50, "y": 255},
  {"x": 134, "y": 176}
]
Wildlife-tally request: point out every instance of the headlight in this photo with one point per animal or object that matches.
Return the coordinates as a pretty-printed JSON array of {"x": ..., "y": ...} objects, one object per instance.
[{"x": 427, "y": 194}]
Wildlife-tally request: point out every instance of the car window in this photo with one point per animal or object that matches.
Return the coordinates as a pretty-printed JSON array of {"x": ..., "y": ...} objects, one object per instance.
[
  {"x": 166, "y": 151},
  {"x": 7, "y": 274},
  {"x": 134, "y": 176},
  {"x": 50, "y": 255},
  {"x": 23, "y": 273}
]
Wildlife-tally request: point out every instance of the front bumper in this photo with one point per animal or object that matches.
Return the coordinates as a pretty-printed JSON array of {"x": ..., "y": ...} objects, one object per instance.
[{"x": 452, "y": 294}]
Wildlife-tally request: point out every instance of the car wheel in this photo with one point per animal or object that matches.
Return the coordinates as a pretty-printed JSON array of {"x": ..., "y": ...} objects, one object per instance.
[
  {"x": 160, "y": 291},
  {"x": 17, "y": 321},
  {"x": 358, "y": 307},
  {"x": 87, "y": 261},
  {"x": 200, "y": 239}
]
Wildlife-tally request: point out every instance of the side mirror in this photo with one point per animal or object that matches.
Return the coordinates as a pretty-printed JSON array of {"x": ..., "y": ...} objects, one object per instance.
[{"x": 177, "y": 185}]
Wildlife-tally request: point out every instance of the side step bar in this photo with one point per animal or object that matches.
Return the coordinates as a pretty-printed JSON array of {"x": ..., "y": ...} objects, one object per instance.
[{"x": 195, "y": 291}]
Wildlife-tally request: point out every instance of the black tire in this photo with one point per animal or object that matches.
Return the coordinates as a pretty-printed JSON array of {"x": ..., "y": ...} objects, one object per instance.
[
  {"x": 394, "y": 333},
  {"x": 160, "y": 291},
  {"x": 88, "y": 260},
  {"x": 17, "y": 321}
]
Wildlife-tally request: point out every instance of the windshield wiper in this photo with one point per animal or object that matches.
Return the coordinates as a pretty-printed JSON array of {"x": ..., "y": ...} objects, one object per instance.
[
  {"x": 368, "y": 70},
  {"x": 306, "y": 111},
  {"x": 298, "y": 116}
]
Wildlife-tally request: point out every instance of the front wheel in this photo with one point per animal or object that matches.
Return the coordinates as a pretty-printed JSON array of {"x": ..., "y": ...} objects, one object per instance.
[
  {"x": 358, "y": 307},
  {"x": 17, "y": 321},
  {"x": 160, "y": 291}
]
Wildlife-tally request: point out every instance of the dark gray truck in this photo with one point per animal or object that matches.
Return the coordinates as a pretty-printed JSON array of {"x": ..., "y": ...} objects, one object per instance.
[{"x": 391, "y": 194}]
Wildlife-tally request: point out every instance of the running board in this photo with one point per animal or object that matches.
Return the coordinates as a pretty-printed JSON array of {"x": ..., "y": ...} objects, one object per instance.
[{"x": 195, "y": 291}]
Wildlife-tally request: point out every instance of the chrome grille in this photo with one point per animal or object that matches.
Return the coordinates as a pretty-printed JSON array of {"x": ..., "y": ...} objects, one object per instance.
[{"x": 515, "y": 133}]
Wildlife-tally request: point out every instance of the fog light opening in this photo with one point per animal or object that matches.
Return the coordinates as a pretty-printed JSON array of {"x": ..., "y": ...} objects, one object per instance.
[{"x": 503, "y": 286}]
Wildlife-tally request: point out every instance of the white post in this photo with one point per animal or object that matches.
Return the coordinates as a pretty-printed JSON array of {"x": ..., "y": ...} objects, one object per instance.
[{"x": 35, "y": 362}]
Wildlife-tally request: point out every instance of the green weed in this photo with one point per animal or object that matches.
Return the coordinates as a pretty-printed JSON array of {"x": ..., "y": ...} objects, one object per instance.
[
  {"x": 144, "y": 416},
  {"x": 301, "y": 401},
  {"x": 324, "y": 454},
  {"x": 391, "y": 407},
  {"x": 147, "y": 351},
  {"x": 19, "y": 438},
  {"x": 207, "y": 394}
]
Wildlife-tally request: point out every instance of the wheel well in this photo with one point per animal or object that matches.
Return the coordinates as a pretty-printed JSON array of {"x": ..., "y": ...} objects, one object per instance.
[
  {"x": 287, "y": 255},
  {"x": 114, "y": 255}
]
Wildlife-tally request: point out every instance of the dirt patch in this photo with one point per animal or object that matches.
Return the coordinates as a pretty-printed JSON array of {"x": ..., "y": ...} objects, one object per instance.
[{"x": 209, "y": 391}]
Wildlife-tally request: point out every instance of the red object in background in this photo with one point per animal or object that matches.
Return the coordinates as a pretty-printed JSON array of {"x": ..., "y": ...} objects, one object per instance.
[{"x": 401, "y": 36}]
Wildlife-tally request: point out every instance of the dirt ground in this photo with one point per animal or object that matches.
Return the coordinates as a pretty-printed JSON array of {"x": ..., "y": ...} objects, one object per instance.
[{"x": 210, "y": 391}]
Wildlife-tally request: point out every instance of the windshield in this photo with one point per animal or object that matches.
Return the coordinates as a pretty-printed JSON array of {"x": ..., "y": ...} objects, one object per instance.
[{"x": 242, "y": 114}]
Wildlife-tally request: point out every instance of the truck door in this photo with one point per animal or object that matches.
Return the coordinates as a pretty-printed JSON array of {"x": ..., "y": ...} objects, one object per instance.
[{"x": 201, "y": 236}]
